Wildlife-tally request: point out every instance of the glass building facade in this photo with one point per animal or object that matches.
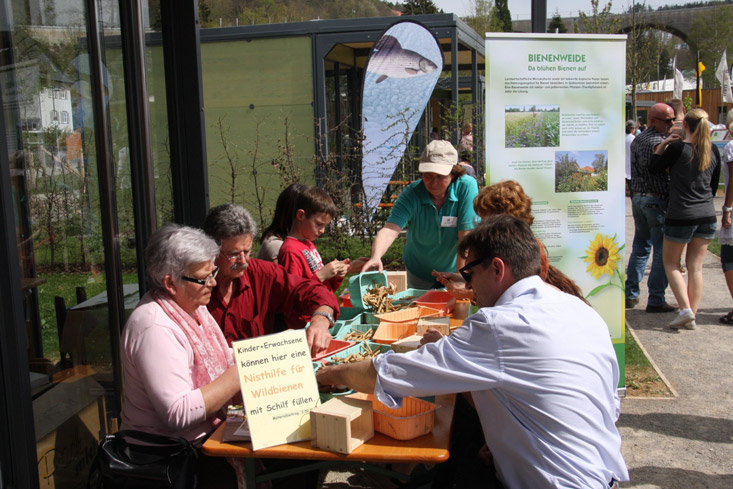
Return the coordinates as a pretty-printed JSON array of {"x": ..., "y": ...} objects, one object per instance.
[{"x": 108, "y": 110}]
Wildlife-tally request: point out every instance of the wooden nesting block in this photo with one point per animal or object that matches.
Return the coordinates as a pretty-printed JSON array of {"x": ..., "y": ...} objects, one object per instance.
[
  {"x": 407, "y": 344},
  {"x": 442, "y": 324},
  {"x": 399, "y": 279},
  {"x": 342, "y": 424}
]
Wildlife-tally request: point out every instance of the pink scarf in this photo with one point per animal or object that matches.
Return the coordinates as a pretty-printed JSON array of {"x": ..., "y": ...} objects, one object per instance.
[
  {"x": 210, "y": 358},
  {"x": 210, "y": 350}
]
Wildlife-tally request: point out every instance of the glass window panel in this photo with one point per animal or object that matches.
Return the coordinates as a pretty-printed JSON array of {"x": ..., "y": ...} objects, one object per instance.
[
  {"x": 265, "y": 120},
  {"x": 45, "y": 80}
]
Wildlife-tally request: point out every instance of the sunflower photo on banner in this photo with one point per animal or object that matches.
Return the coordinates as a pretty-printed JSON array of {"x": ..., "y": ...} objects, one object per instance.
[
  {"x": 401, "y": 73},
  {"x": 603, "y": 258}
]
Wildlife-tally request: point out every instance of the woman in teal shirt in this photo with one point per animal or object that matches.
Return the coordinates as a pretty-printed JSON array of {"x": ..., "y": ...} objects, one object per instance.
[{"x": 437, "y": 212}]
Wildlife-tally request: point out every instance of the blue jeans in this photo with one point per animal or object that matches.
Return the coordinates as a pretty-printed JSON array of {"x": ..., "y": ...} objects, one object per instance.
[{"x": 648, "y": 215}]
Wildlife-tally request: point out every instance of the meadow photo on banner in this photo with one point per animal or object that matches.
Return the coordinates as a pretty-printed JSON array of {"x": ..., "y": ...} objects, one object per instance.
[{"x": 532, "y": 126}]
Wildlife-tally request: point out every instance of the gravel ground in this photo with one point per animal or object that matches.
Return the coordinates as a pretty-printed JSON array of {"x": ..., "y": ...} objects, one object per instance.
[{"x": 685, "y": 441}]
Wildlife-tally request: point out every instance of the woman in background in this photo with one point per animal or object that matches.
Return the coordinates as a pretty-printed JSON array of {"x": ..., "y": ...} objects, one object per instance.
[
  {"x": 466, "y": 142},
  {"x": 508, "y": 197},
  {"x": 725, "y": 238},
  {"x": 437, "y": 210},
  {"x": 693, "y": 163},
  {"x": 273, "y": 236}
]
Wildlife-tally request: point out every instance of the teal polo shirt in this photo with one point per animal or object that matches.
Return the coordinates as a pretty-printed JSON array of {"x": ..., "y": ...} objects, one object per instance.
[{"x": 432, "y": 235}]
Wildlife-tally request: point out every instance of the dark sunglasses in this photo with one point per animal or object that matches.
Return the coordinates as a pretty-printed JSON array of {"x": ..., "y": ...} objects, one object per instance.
[
  {"x": 202, "y": 281},
  {"x": 465, "y": 271},
  {"x": 666, "y": 121}
]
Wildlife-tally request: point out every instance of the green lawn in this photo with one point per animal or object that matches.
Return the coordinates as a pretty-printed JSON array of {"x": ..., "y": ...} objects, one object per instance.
[
  {"x": 64, "y": 285},
  {"x": 714, "y": 247},
  {"x": 634, "y": 355}
]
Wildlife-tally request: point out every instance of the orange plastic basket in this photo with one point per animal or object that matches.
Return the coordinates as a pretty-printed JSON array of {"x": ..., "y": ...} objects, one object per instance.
[
  {"x": 409, "y": 315},
  {"x": 388, "y": 333},
  {"x": 415, "y": 418}
]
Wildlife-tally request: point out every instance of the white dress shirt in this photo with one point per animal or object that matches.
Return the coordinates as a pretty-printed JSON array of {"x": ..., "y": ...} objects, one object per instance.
[
  {"x": 543, "y": 374},
  {"x": 629, "y": 140}
]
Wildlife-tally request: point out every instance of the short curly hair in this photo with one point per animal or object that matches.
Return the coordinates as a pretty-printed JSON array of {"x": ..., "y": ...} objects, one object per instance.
[{"x": 505, "y": 197}]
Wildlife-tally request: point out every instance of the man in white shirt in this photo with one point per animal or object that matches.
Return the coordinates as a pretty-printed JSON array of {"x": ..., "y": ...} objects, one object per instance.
[
  {"x": 630, "y": 130},
  {"x": 539, "y": 365}
]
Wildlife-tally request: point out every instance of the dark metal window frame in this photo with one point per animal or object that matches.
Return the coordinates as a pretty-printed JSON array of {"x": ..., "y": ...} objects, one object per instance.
[{"x": 18, "y": 461}]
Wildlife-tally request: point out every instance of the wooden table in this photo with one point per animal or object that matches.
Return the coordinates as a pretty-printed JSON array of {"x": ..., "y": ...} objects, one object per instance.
[{"x": 431, "y": 448}]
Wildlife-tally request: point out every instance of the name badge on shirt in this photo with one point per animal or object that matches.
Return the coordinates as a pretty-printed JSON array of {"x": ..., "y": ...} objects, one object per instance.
[{"x": 449, "y": 222}]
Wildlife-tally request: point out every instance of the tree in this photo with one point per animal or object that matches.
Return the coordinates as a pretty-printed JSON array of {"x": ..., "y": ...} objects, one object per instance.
[
  {"x": 204, "y": 13},
  {"x": 637, "y": 50},
  {"x": 599, "y": 162},
  {"x": 603, "y": 22},
  {"x": 503, "y": 14},
  {"x": 556, "y": 24},
  {"x": 712, "y": 32},
  {"x": 417, "y": 7},
  {"x": 485, "y": 17}
]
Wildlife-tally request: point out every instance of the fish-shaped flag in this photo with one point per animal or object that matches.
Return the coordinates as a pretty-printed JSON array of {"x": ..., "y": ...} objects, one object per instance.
[
  {"x": 400, "y": 77},
  {"x": 389, "y": 59}
]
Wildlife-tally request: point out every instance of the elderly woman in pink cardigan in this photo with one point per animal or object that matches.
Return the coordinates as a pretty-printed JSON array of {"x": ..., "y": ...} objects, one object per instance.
[{"x": 179, "y": 372}]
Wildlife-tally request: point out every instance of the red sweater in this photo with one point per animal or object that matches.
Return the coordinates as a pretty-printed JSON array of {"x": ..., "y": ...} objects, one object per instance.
[
  {"x": 265, "y": 290},
  {"x": 301, "y": 258}
]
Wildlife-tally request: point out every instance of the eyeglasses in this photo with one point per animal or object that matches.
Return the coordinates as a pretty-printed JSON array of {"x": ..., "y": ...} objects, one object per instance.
[
  {"x": 666, "y": 121},
  {"x": 206, "y": 282},
  {"x": 465, "y": 271},
  {"x": 236, "y": 255}
]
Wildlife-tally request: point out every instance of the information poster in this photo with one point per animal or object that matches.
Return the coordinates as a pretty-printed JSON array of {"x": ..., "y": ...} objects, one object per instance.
[
  {"x": 555, "y": 113},
  {"x": 278, "y": 387}
]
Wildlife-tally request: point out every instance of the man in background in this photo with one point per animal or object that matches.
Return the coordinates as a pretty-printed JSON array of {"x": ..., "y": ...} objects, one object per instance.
[
  {"x": 249, "y": 292},
  {"x": 630, "y": 135},
  {"x": 649, "y": 206},
  {"x": 679, "y": 115}
]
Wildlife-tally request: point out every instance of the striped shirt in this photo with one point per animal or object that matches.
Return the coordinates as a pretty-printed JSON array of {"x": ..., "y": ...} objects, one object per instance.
[{"x": 642, "y": 150}]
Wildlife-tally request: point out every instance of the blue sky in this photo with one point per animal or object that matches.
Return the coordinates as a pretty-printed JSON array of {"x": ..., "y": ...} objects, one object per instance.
[
  {"x": 522, "y": 9},
  {"x": 584, "y": 158}
]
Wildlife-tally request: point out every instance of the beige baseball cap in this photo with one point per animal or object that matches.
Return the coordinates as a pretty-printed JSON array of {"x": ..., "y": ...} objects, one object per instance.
[{"x": 438, "y": 157}]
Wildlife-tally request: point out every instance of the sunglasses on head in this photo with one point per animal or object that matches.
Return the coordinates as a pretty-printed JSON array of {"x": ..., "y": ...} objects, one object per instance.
[{"x": 465, "y": 271}]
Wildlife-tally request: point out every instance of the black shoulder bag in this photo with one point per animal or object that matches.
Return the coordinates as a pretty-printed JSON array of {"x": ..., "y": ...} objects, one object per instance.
[{"x": 161, "y": 462}]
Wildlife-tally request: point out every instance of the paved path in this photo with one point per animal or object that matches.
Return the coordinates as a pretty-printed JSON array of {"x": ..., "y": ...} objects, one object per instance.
[{"x": 684, "y": 442}]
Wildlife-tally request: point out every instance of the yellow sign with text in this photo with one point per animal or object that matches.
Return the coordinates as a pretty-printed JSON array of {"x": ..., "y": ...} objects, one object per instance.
[{"x": 278, "y": 387}]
